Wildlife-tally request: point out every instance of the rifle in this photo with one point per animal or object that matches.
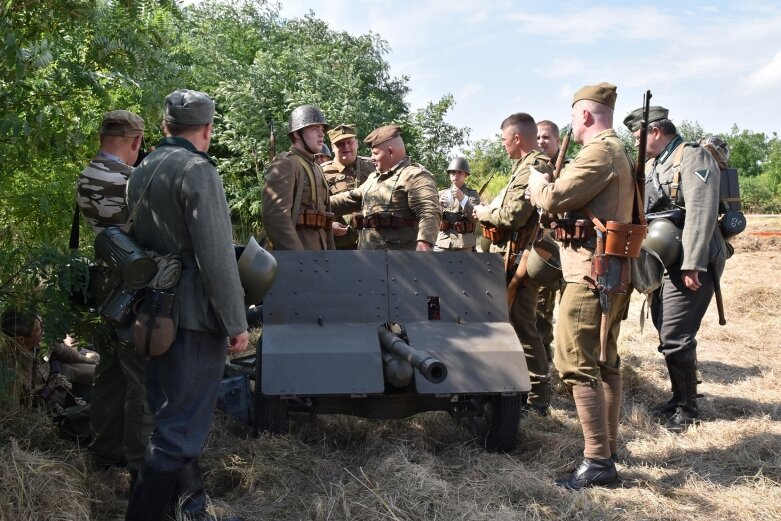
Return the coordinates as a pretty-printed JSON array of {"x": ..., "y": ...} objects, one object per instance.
[
  {"x": 640, "y": 167},
  {"x": 485, "y": 185},
  {"x": 520, "y": 243},
  {"x": 272, "y": 141},
  {"x": 562, "y": 154}
]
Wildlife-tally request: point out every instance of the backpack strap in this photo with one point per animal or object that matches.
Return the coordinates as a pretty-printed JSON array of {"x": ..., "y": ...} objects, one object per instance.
[{"x": 676, "y": 183}]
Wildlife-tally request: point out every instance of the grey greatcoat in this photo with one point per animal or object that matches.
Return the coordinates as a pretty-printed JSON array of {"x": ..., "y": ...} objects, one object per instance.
[{"x": 184, "y": 212}]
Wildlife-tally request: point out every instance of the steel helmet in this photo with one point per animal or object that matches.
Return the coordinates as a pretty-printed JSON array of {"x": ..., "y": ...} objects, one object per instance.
[
  {"x": 257, "y": 271},
  {"x": 664, "y": 238},
  {"x": 325, "y": 151},
  {"x": 459, "y": 163},
  {"x": 305, "y": 116},
  {"x": 544, "y": 263}
]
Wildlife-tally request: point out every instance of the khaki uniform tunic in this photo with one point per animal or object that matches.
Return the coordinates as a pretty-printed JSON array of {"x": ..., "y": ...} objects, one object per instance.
[
  {"x": 450, "y": 239},
  {"x": 600, "y": 178},
  {"x": 409, "y": 191},
  {"x": 342, "y": 178},
  {"x": 283, "y": 176}
]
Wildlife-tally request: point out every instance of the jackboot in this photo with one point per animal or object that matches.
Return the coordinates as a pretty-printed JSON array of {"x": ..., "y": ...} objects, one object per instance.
[
  {"x": 151, "y": 495},
  {"x": 613, "y": 386},
  {"x": 597, "y": 467},
  {"x": 686, "y": 411},
  {"x": 665, "y": 410}
]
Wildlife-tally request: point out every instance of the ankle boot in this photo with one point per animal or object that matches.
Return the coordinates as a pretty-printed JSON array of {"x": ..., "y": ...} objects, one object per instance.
[
  {"x": 593, "y": 471},
  {"x": 686, "y": 411},
  {"x": 151, "y": 495},
  {"x": 613, "y": 387}
]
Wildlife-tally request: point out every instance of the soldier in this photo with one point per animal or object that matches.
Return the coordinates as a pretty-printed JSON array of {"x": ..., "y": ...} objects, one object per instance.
[
  {"x": 347, "y": 171},
  {"x": 180, "y": 209},
  {"x": 600, "y": 178},
  {"x": 398, "y": 202},
  {"x": 296, "y": 211},
  {"x": 119, "y": 414},
  {"x": 548, "y": 142},
  {"x": 507, "y": 217},
  {"x": 324, "y": 156},
  {"x": 457, "y": 229},
  {"x": 684, "y": 176}
]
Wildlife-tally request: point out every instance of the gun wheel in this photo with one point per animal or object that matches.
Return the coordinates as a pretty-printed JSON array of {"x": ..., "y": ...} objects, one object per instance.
[
  {"x": 498, "y": 424},
  {"x": 270, "y": 412}
]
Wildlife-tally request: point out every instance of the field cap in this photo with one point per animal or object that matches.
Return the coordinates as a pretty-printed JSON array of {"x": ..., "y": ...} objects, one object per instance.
[
  {"x": 342, "y": 132},
  {"x": 189, "y": 107},
  {"x": 634, "y": 118},
  {"x": 380, "y": 135},
  {"x": 604, "y": 93},
  {"x": 122, "y": 123}
]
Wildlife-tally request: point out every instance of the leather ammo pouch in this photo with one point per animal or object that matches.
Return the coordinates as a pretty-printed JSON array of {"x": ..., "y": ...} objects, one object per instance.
[
  {"x": 572, "y": 229},
  {"x": 154, "y": 330},
  {"x": 314, "y": 219},
  {"x": 496, "y": 235}
]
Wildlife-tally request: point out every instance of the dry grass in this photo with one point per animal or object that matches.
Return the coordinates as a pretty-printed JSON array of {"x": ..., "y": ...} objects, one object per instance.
[{"x": 426, "y": 468}]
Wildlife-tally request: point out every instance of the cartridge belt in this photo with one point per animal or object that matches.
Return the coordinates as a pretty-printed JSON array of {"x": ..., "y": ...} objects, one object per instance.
[
  {"x": 381, "y": 220},
  {"x": 496, "y": 235},
  {"x": 572, "y": 229},
  {"x": 463, "y": 226},
  {"x": 310, "y": 219}
]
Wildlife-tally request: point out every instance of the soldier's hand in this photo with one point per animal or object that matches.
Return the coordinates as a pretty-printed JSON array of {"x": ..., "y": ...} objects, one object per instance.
[
  {"x": 339, "y": 229},
  {"x": 423, "y": 246},
  {"x": 691, "y": 279},
  {"x": 478, "y": 208},
  {"x": 239, "y": 343},
  {"x": 459, "y": 195}
]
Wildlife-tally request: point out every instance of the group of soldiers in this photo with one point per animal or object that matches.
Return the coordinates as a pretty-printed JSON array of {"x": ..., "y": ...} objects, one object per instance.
[
  {"x": 153, "y": 415},
  {"x": 388, "y": 202}
]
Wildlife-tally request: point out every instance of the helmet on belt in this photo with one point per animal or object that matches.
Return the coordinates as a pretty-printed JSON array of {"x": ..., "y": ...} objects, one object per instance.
[
  {"x": 664, "y": 238},
  {"x": 257, "y": 271},
  {"x": 544, "y": 263},
  {"x": 459, "y": 163},
  {"x": 325, "y": 151},
  {"x": 718, "y": 148},
  {"x": 305, "y": 116}
]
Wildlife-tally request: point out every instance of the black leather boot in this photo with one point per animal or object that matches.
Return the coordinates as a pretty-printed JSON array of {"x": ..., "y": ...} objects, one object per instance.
[
  {"x": 686, "y": 411},
  {"x": 664, "y": 411},
  {"x": 151, "y": 495},
  {"x": 592, "y": 471},
  {"x": 191, "y": 496}
]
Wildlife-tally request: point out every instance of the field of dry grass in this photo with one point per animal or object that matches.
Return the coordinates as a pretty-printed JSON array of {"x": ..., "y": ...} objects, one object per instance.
[{"x": 427, "y": 468}]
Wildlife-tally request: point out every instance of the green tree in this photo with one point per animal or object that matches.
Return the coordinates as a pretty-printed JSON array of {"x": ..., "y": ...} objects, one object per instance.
[{"x": 748, "y": 150}]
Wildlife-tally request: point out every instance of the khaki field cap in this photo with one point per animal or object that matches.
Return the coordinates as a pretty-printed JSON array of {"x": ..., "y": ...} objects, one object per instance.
[
  {"x": 342, "y": 132},
  {"x": 380, "y": 135},
  {"x": 122, "y": 123},
  {"x": 189, "y": 107},
  {"x": 634, "y": 118},
  {"x": 604, "y": 93}
]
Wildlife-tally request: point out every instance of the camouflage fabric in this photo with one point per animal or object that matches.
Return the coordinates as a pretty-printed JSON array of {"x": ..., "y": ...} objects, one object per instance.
[
  {"x": 409, "y": 191},
  {"x": 101, "y": 192}
]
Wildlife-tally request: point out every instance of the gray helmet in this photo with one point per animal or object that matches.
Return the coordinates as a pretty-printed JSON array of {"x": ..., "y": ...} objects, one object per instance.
[
  {"x": 304, "y": 116},
  {"x": 459, "y": 163},
  {"x": 325, "y": 151},
  {"x": 664, "y": 238},
  {"x": 544, "y": 263},
  {"x": 257, "y": 271}
]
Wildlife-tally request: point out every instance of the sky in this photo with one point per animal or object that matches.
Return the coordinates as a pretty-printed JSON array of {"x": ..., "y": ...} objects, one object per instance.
[{"x": 717, "y": 63}]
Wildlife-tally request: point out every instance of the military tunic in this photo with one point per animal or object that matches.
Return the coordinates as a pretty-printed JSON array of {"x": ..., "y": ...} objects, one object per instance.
[
  {"x": 677, "y": 312},
  {"x": 510, "y": 210},
  {"x": 451, "y": 239},
  {"x": 407, "y": 190},
  {"x": 285, "y": 178},
  {"x": 600, "y": 177},
  {"x": 342, "y": 178},
  {"x": 119, "y": 414}
]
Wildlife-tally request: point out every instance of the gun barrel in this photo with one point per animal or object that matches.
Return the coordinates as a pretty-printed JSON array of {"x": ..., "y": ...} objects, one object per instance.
[{"x": 432, "y": 369}]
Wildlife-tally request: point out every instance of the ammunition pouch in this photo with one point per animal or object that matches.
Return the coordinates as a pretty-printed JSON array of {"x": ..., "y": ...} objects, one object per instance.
[
  {"x": 456, "y": 222},
  {"x": 154, "y": 330},
  {"x": 381, "y": 220},
  {"x": 494, "y": 234},
  {"x": 310, "y": 219},
  {"x": 118, "y": 309},
  {"x": 624, "y": 240},
  {"x": 566, "y": 230}
]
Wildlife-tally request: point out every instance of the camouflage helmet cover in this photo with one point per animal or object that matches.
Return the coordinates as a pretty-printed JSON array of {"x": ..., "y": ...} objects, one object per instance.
[
  {"x": 459, "y": 163},
  {"x": 305, "y": 116},
  {"x": 718, "y": 148}
]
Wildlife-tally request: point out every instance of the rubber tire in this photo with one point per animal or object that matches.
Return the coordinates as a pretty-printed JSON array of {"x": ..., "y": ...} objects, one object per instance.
[
  {"x": 270, "y": 412},
  {"x": 498, "y": 428}
]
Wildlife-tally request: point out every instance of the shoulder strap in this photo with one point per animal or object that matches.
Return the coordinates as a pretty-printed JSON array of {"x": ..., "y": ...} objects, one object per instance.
[
  {"x": 129, "y": 224},
  {"x": 677, "y": 160},
  {"x": 74, "y": 240}
]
